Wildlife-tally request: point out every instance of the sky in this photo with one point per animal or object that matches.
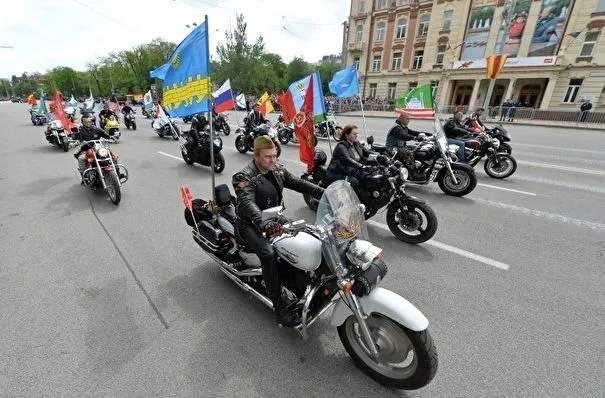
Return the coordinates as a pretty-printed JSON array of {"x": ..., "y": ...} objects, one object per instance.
[{"x": 49, "y": 33}]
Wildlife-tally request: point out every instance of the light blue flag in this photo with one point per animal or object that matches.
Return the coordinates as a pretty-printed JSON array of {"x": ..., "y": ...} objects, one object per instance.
[
  {"x": 186, "y": 75},
  {"x": 345, "y": 84},
  {"x": 298, "y": 90}
]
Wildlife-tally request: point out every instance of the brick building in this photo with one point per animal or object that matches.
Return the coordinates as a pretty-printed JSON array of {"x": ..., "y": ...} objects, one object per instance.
[{"x": 556, "y": 53}]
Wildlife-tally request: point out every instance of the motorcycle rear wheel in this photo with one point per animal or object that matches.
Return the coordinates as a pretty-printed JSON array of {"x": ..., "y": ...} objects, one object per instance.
[
  {"x": 508, "y": 165},
  {"x": 219, "y": 163},
  {"x": 395, "y": 344},
  {"x": 187, "y": 158},
  {"x": 113, "y": 188},
  {"x": 414, "y": 215}
]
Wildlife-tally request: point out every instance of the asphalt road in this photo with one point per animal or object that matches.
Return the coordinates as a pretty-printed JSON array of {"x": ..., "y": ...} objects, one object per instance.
[{"x": 104, "y": 300}]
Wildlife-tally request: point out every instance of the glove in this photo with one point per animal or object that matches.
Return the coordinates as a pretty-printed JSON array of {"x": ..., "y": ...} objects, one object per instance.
[{"x": 272, "y": 229}]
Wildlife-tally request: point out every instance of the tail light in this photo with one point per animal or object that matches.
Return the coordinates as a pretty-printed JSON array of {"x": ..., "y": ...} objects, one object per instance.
[
  {"x": 224, "y": 240},
  {"x": 90, "y": 156}
]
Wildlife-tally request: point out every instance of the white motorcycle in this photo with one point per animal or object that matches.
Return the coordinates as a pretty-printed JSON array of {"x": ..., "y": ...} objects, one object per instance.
[{"x": 329, "y": 264}]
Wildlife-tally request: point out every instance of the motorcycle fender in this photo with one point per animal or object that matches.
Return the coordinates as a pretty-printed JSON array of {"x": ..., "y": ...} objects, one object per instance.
[
  {"x": 443, "y": 170},
  {"x": 387, "y": 303},
  {"x": 407, "y": 199}
]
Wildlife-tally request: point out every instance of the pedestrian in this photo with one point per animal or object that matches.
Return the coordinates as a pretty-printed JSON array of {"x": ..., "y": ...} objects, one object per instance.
[
  {"x": 512, "y": 110},
  {"x": 504, "y": 108},
  {"x": 585, "y": 107}
]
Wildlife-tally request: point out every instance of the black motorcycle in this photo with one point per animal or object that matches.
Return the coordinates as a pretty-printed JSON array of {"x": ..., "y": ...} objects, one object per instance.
[
  {"x": 285, "y": 134},
  {"x": 148, "y": 113},
  {"x": 56, "y": 135},
  {"x": 200, "y": 153},
  {"x": 130, "y": 121},
  {"x": 38, "y": 119},
  {"x": 435, "y": 161},
  {"x": 244, "y": 139},
  {"x": 328, "y": 127},
  {"x": 221, "y": 125},
  {"x": 409, "y": 218}
]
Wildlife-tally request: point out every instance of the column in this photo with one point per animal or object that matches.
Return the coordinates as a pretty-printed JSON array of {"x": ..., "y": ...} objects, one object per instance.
[
  {"x": 473, "y": 102},
  {"x": 444, "y": 92},
  {"x": 509, "y": 90},
  {"x": 550, "y": 89}
]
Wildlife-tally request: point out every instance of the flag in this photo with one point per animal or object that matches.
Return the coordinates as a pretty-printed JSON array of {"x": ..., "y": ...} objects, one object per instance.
[
  {"x": 224, "y": 98},
  {"x": 287, "y": 106},
  {"x": 304, "y": 128},
  {"x": 345, "y": 84},
  {"x": 90, "y": 101},
  {"x": 148, "y": 100},
  {"x": 574, "y": 34},
  {"x": 72, "y": 101},
  {"x": 31, "y": 100},
  {"x": 495, "y": 63},
  {"x": 298, "y": 90},
  {"x": 418, "y": 103},
  {"x": 59, "y": 113},
  {"x": 265, "y": 104},
  {"x": 241, "y": 101},
  {"x": 116, "y": 107},
  {"x": 186, "y": 75},
  {"x": 42, "y": 107}
]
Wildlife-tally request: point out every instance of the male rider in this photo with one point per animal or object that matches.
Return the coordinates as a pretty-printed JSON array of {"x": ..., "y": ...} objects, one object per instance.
[
  {"x": 258, "y": 187},
  {"x": 86, "y": 132},
  {"x": 456, "y": 133},
  {"x": 105, "y": 114},
  {"x": 397, "y": 138},
  {"x": 126, "y": 109},
  {"x": 255, "y": 118}
]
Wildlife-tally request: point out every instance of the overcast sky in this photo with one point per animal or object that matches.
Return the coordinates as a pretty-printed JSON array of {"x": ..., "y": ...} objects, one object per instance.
[{"x": 49, "y": 33}]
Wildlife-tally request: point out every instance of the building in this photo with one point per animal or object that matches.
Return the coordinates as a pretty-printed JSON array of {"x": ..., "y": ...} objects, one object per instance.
[
  {"x": 556, "y": 52},
  {"x": 337, "y": 58}
]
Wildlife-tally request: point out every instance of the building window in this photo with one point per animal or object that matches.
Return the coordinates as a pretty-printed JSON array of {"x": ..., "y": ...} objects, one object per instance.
[
  {"x": 402, "y": 26},
  {"x": 572, "y": 90},
  {"x": 418, "y": 56},
  {"x": 434, "y": 87},
  {"x": 440, "y": 54},
  {"x": 362, "y": 6},
  {"x": 356, "y": 62},
  {"x": 447, "y": 19},
  {"x": 412, "y": 85},
  {"x": 376, "y": 63},
  {"x": 392, "y": 90},
  {"x": 380, "y": 4},
  {"x": 423, "y": 27},
  {"x": 380, "y": 32},
  {"x": 372, "y": 90},
  {"x": 590, "y": 42},
  {"x": 601, "y": 6},
  {"x": 359, "y": 33},
  {"x": 396, "y": 61}
]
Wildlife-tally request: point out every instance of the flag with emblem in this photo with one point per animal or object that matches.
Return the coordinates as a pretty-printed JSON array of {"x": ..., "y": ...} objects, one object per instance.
[
  {"x": 495, "y": 64},
  {"x": 299, "y": 88},
  {"x": 304, "y": 127},
  {"x": 265, "y": 104},
  {"x": 418, "y": 103},
  {"x": 186, "y": 75},
  {"x": 286, "y": 103}
]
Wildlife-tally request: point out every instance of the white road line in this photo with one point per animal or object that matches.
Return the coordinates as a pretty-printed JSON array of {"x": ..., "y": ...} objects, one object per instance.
[
  {"x": 545, "y": 215},
  {"x": 452, "y": 249},
  {"x": 592, "y": 162},
  {"x": 169, "y": 155},
  {"x": 563, "y": 168},
  {"x": 558, "y": 148},
  {"x": 508, "y": 189},
  {"x": 561, "y": 184}
]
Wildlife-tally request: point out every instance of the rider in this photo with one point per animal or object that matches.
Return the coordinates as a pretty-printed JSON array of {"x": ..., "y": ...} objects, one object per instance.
[
  {"x": 126, "y": 109},
  {"x": 456, "y": 133},
  {"x": 259, "y": 186},
  {"x": 255, "y": 118},
  {"x": 475, "y": 120},
  {"x": 198, "y": 123},
  {"x": 397, "y": 138},
  {"x": 86, "y": 132},
  {"x": 348, "y": 158},
  {"x": 104, "y": 115}
]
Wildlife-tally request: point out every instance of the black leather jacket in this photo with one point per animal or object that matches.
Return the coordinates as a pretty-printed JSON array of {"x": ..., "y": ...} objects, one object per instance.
[
  {"x": 348, "y": 158},
  {"x": 255, "y": 119},
  {"x": 455, "y": 130},
  {"x": 399, "y": 134},
  {"x": 256, "y": 192},
  {"x": 106, "y": 114},
  {"x": 87, "y": 134}
]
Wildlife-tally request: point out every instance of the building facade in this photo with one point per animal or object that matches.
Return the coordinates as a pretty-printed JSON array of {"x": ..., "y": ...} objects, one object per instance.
[{"x": 556, "y": 55}]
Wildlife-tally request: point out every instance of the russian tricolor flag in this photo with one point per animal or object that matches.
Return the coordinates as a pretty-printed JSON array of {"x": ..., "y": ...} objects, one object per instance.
[{"x": 223, "y": 98}]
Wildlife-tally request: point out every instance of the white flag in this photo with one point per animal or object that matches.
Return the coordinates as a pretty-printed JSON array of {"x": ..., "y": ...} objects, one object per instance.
[
  {"x": 90, "y": 101},
  {"x": 241, "y": 101},
  {"x": 148, "y": 99},
  {"x": 72, "y": 101}
]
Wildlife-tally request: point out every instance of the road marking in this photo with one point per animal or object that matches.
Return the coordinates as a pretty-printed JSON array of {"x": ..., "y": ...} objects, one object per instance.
[
  {"x": 169, "y": 155},
  {"x": 557, "y": 148},
  {"x": 452, "y": 249},
  {"x": 561, "y": 158},
  {"x": 508, "y": 189},
  {"x": 542, "y": 214},
  {"x": 561, "y": 184},
  {"x": 563, "y": 168}
]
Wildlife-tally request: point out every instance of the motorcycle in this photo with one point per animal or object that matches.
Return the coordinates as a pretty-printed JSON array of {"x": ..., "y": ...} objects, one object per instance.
[
  {"x": 498, "y": 132},
  {"x": 103, "y": 171},
  {"x": 328, "y": 127},
  {"x": 329, "y": 264},
  {"x": 497, "y": 164},
  {"x": 244, "y": 139},
  {"x": 70, "y": 112},
  {"x": 130, "y": 121},
  {"x": 55, "y": 134},
  {"x": 37, "y": 118},
  {"x": 285, "y": 134},
  {"x": 221, "y": 125},
  {"x": 201, "y": 153},
  {"x": 166, "y": 127},
  {"x": 112, "y": 128},
  {"x": 409, "y": 218},
  {"x": 148, "y": 113},
  {"x": 437, "y": 162}
]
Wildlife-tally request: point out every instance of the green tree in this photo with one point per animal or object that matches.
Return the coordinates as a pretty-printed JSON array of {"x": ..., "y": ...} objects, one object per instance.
[
  {"x": 297, "y": 69},
  {"x": 326, "y": 72}
]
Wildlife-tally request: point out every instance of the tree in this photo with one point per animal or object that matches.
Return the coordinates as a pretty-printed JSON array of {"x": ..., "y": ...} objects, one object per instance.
[
  {"x": 297, "y": 69},
  {"x": 326, "y": 72}
]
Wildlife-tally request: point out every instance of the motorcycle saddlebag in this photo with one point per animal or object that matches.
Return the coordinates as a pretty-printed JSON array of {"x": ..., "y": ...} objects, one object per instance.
[{"x": 200, "y": 212}]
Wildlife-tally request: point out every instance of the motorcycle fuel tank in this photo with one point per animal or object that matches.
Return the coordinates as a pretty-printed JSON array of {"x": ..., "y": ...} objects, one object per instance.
[{"x": 302, "y": 251}]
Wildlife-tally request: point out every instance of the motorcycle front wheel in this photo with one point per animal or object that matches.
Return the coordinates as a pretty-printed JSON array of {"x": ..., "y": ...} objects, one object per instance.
[
  {"x": 240, "y": 144},
  {"x": 226, "y": 129},
  {"x": 501, "y": 165},
  {"x": 416, "y": 224},
  {"x": 186, "y": 157},
  {"x": 505, "y": 148},
  {"x": 283, "y": 138},
  {"x": 113, "y": 187},
  {"x": 407, "y": 359},
  {"x": 219, "y": 163},
  {"x": 467, "y": 181}
]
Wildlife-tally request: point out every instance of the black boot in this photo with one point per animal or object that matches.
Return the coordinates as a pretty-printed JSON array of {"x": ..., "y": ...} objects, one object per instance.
[{"x": 286, "y": 312}]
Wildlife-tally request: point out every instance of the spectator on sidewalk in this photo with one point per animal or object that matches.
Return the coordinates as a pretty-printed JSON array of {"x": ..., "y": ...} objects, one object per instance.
[
  {"x": 585, "y": 107},
  {"x": 504, "y": 109},
  {"x": 512, "y": 110}
]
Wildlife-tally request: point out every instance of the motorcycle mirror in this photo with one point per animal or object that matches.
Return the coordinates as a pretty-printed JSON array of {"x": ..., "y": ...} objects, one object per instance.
[{"x": 370, "y": 139}]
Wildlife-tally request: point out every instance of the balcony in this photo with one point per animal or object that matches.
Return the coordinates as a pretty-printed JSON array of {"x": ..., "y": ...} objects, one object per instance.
[{"x": 355, "y": 46}]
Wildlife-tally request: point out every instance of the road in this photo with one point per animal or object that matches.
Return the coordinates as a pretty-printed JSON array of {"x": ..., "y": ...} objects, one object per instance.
[{"x": 107, "y": 300}]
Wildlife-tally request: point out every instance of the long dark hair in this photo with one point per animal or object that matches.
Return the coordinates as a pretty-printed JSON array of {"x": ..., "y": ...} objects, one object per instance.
[{"x": 346, "y": 131}]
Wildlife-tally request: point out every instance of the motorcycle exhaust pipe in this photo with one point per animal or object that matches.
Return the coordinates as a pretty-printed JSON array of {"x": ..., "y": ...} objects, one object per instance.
[{"x": 247, "y": 288}]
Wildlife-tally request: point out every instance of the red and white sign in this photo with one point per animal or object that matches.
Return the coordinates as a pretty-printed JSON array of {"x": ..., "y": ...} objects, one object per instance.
[{"x": 510, "y": 63}]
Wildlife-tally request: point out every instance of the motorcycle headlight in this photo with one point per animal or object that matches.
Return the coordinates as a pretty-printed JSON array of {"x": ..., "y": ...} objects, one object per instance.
[
  {"x": 218, "y": 142},
  {"x": 361, "y": 253},
  {"x": 403, "y": 174},
  {"x": 103, "y": 152},
  {"x": 495, "y": 143}
]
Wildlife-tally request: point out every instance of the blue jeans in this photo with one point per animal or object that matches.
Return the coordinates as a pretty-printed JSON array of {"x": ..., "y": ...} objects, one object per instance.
[{"x": 461, "y": 148}]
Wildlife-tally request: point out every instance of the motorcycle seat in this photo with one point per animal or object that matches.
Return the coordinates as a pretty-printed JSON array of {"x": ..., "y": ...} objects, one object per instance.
[{"x": 379, "y": 148}]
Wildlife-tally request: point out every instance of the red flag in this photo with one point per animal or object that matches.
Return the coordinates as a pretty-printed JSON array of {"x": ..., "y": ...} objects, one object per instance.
[
  {"x": 287, "y": 106},
  {"x": 59, "y": 113},
  {"x": 304, "y": 127}
]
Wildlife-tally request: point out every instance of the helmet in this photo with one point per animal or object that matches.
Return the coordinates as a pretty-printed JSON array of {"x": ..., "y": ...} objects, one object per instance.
[{"x": 320, "y": 157}]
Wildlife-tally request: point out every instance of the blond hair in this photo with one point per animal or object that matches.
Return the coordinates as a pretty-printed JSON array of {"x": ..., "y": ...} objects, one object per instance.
[{"x": 262, "y": 142}]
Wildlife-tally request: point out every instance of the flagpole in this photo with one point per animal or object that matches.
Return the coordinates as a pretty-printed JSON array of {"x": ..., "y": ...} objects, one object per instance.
[
  {"x": 363, "y": 115},
  {"x": 210, "y": 112}
]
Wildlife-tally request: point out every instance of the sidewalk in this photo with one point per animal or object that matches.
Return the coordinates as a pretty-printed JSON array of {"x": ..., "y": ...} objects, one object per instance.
[{"x": 523, "y": 122}]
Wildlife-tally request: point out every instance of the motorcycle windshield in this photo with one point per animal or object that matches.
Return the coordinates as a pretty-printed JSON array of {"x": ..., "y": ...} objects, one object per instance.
[
  {"x": 341, "y": 212},
  {"x": 440, "y": 135}
]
